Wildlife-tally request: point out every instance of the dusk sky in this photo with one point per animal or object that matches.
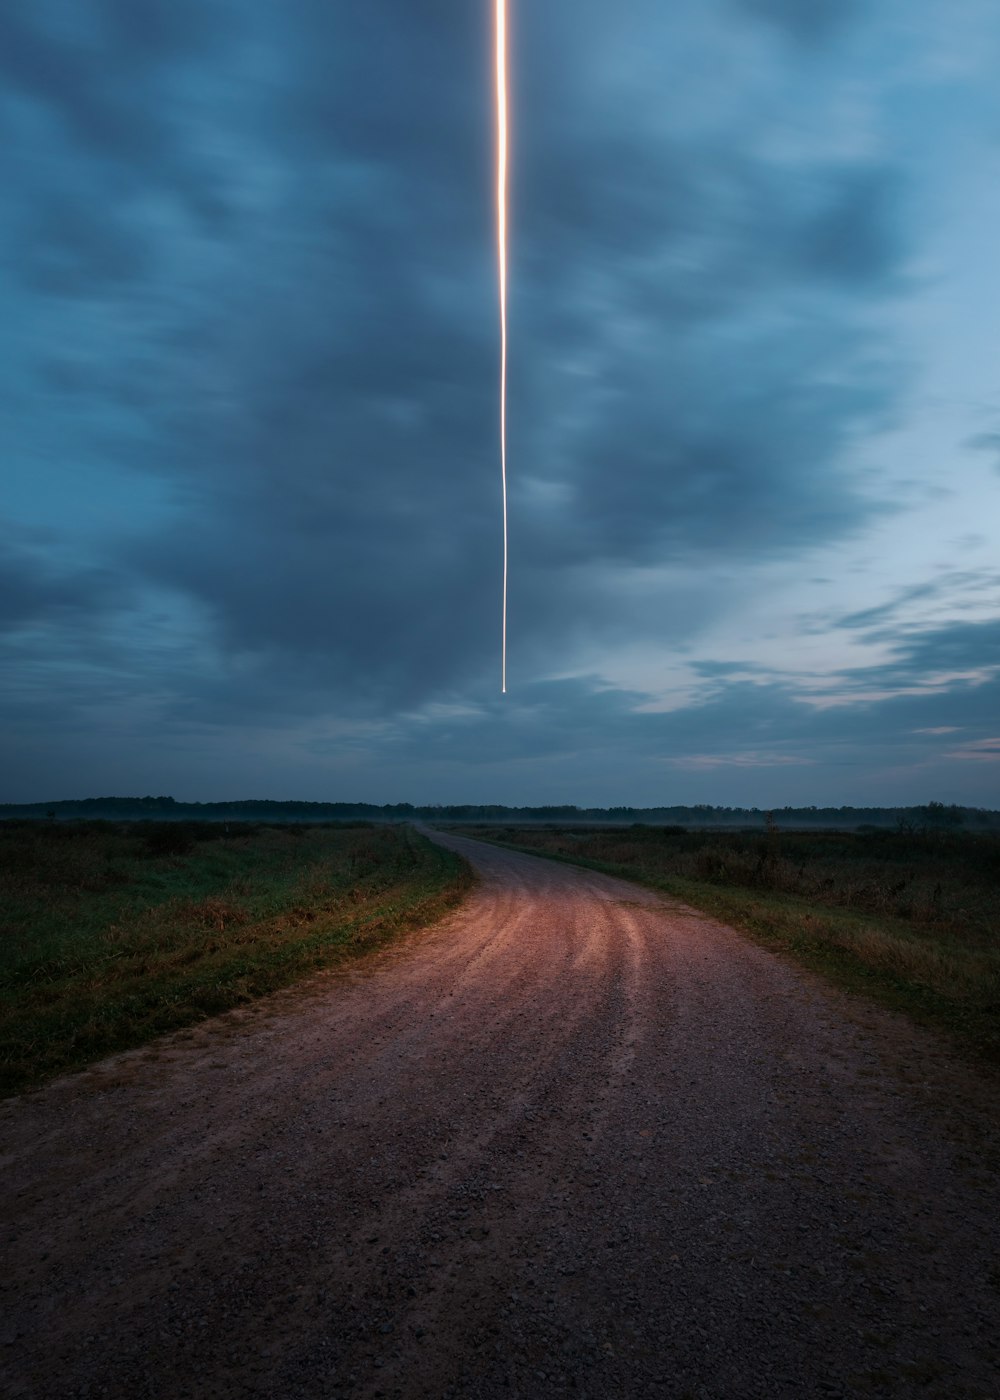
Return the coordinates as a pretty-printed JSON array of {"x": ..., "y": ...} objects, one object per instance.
[{"x": 248, "y": 404}]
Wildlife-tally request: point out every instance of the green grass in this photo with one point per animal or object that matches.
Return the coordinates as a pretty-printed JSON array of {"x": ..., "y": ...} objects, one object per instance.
[
  {"x": 909, "y": 918},
  {"x": 111, "y": 934}
]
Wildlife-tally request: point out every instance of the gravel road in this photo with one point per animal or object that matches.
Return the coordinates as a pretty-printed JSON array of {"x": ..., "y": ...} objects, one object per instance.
[{"x": 576, "y": 1140}]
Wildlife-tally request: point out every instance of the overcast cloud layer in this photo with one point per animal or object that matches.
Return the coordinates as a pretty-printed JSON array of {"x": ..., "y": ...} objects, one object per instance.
[{"x": 248, "y": 410}]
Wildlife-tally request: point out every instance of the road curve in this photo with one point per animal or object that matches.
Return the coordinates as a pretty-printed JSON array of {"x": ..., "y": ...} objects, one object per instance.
[{"x": 573, "y": 1140}]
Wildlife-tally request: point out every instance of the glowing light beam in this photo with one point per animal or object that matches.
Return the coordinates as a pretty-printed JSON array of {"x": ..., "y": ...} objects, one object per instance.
[{"x": 501, "y": 47}]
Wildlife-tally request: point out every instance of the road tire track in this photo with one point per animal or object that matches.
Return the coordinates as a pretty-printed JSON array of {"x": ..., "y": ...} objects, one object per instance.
[{"x": 574, "y": 1140}]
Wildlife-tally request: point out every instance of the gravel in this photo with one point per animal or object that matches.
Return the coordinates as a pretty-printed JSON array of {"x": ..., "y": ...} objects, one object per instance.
[{"x": 574, "y": 1140}]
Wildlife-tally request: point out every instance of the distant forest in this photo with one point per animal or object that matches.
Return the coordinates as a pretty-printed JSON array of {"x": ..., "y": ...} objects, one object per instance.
[{"x": 932, "y": 816}]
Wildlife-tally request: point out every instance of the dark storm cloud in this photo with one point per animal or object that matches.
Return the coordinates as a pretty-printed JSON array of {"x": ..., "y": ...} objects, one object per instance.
[
  {"x": 88, "y": 64},
  {"x": 704, "y": 389},
  {"x": 663, "y": 475},
  {"x": 854, "y": 236},
  {"x": 600, "y": 191},
  {"x": 399, "y": 395},
  {"x": 312, "y": 376},
  {"x": 99, "y": 69},
  {"x": 33, "y": 592},
  {"x": 72, "y": 248}
]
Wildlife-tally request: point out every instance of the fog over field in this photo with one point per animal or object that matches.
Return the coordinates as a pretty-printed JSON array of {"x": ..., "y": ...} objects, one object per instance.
[{"x": 251, "y": 530}]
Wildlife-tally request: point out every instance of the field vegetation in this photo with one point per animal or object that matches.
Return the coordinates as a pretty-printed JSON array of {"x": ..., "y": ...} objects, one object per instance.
[
  {"x": 112, "y": 933},
  {"x": 910, "y": 916}
]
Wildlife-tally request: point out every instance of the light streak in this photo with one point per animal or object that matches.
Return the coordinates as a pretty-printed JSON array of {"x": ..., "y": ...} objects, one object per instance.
[{"x": 501, "y": 47}]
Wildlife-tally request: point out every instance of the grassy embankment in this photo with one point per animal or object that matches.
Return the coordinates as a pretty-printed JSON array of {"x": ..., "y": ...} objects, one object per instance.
[
  {"x": 111, "y": 934},
  {"x": 911, "y": 918}
]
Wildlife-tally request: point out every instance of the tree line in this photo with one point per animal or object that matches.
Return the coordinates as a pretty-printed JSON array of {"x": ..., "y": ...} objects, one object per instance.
[{"x": 938, "y": 816}]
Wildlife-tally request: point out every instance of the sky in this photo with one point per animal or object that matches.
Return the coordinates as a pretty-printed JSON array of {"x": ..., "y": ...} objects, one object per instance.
[{"x": 250, "y": 538}]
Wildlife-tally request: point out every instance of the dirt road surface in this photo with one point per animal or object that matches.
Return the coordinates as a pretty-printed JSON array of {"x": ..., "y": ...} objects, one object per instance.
[{"x": 574, "y": 1140}]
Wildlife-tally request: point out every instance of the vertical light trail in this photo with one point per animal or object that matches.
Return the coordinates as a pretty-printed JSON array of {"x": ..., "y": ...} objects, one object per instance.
[{"x": 501, "y": 46}]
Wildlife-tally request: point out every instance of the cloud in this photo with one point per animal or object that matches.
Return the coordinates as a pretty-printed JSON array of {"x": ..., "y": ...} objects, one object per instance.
[
  {"x": 987, "y": 442},
  {"x": 756, "y": 741},
  {"x": 250, "y": 260},
  {"x": 957, "y": 648},
  {"x": 870, "y": 617},
  {"x": 913, "y": 608},
  {"x": 99, "y": 71},
  {"x": 314, "y": 381},
  {"x": 808, "y": 22},
  {"x": 853, "y": 236},
  {"x": 981, "y": 751},
  {"x": 34, "y": 593},
  {"x": 72, "y": 248},
  {"x": 759, "y": 742}
]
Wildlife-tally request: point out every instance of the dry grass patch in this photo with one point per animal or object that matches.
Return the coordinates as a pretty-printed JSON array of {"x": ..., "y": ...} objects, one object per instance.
[{"x": 113, "y": 933}]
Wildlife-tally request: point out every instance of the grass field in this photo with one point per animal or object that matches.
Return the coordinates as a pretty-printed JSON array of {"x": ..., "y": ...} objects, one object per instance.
[
  {"x": 912, "y": 918},
  {"x": 112, "y": 933}
]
